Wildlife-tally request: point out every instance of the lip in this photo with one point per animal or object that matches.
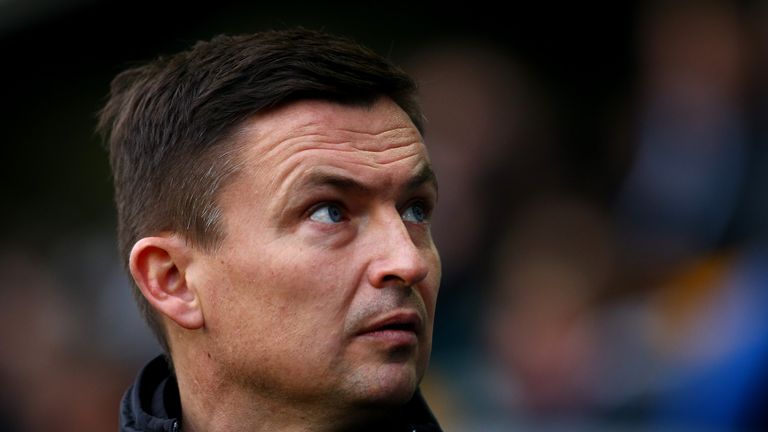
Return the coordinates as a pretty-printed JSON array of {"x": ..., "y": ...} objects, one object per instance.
[{"x": 401, "y": 327}]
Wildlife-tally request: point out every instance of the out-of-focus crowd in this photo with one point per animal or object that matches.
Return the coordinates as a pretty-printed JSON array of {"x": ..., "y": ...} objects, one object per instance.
[
  {"x": 640, "y": 305},
  {"x": 640, "y": 308}
]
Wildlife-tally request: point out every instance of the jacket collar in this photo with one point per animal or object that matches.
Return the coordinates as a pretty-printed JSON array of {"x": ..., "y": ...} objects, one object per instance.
[{"x": 152, "y": 404}]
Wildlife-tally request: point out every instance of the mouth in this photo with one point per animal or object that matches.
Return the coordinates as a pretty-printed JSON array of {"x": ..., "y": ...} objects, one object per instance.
[
  {"x": 403, "y": 326},
  {"x": 398, "y": 328}
]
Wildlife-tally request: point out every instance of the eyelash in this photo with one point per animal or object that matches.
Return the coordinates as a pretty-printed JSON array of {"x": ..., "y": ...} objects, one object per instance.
[
  {"x": 313, "y": 209},
  {"x": 426, "y": 206}
]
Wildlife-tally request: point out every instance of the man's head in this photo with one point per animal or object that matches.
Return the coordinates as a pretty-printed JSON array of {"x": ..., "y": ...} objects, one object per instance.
[{"x": 273, "y": 197}]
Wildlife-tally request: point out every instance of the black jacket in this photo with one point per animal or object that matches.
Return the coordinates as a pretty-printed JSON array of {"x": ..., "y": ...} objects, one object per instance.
[{"x": 152, "y": 404}]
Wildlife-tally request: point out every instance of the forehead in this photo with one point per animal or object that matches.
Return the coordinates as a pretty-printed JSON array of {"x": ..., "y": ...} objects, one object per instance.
[{"x": 296, "y": 139}]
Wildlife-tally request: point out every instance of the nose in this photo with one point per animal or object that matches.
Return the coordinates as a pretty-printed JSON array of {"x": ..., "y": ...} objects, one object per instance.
[{"x": 396, "y": 259}]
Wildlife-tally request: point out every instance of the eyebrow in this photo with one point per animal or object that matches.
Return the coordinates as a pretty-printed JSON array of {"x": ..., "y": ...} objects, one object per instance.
[
  {"x": 424, "y": 176},
  {"x": 320, "y": 178}
]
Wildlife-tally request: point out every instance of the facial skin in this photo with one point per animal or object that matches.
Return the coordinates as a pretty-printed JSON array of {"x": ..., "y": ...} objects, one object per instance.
[{"x": 327, "y": 239}]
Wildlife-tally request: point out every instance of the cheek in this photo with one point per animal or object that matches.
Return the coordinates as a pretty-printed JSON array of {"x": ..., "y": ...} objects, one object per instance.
[
  {"x": 278, "y": 314},
  {"x": 432, "y": 287},
  {"x": 288, "y": 296}
]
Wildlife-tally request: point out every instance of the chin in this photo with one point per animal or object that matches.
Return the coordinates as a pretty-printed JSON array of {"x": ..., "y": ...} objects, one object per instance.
[
  {"x": 389, "y": 381},
  {"x": 394, "y": 384}
]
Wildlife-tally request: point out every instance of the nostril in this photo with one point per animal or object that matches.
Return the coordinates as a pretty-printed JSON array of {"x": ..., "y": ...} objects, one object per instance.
[
  {"x": 391, "y": 277},
  {"x": 403, "y": 275}
]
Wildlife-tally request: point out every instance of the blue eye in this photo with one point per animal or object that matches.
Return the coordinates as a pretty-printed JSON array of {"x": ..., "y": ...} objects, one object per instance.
[
  {"x": 415, "y": 213},
  {"x": 327, "y": 213}
]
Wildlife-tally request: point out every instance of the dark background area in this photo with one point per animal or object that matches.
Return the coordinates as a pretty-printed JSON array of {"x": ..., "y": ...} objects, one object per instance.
[{"x": 57, "y": 65}]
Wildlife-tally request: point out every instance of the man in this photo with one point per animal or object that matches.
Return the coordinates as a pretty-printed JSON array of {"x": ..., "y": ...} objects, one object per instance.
[{"x": 274, "y": 197}]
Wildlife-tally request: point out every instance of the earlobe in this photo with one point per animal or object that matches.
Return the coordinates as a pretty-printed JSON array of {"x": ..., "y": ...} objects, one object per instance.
[{"x": 158, "y": 265}]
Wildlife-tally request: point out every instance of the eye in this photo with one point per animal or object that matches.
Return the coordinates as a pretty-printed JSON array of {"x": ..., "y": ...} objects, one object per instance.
[
  {"x": 416, "y": 213},
  {"x": 328, "y": 214}
]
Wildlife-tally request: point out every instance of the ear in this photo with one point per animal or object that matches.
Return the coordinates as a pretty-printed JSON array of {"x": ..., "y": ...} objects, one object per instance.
[{"x": 158, "y": 266}]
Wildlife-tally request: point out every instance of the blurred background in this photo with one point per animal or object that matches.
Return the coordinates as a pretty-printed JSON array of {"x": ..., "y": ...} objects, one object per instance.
[{"x": 601, "y": 220}]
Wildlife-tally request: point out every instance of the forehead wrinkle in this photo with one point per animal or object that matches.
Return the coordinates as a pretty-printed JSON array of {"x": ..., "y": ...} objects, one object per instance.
[
  {"x": 299, "y": 144},
  {"x": 282, "y": 184},
  {"x": 327, "y": 121},
  {"x": 298, "y": 147},
  {"x": 387, "y": 141},
  {"x": 347, "y": 140},
  {"x": 368, "y": 159},
  {"x": 402, "y": 131},
  {"x": 318, "y": 128}
]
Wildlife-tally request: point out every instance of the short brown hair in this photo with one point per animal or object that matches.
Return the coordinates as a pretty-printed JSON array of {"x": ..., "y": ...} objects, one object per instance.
[{"x": 167, "y": 123}]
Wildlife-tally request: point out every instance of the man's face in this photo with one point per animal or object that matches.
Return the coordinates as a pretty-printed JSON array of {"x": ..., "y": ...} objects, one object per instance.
[{"x": 324, "y": 287}]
